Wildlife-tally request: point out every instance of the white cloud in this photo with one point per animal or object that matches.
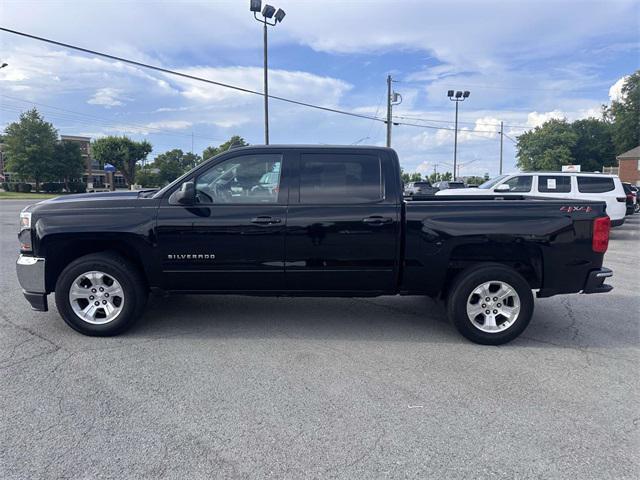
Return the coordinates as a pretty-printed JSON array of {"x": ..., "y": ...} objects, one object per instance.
[
  {"x": 169, "y": 124},
  {"x": 615, "y": 92},
  {"x": 535, "y": 119},
  {"x": 107, "y": 97}
]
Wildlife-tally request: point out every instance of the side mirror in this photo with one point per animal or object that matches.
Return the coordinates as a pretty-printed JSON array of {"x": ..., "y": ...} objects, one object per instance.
[
  {"x": 503, "y": 187},
  {"x": 185, "y": 196}
]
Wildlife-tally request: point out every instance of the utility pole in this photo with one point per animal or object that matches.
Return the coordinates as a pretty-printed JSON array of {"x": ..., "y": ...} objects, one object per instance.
[
  {"x": 501, "y": 139},
  {"x": 389, "y": 110},
  {"x": 393, "y": 98},
  {"x": 192, "y": 142}
]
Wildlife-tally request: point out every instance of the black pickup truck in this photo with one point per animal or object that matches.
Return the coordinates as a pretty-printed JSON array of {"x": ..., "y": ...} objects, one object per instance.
[{"x": 308, "y": 221}]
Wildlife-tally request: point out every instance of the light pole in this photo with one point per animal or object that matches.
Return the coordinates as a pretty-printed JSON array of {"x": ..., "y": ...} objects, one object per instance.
[
  {"x": 267, "y": 12},
  {"x": 456, "y": 97}
]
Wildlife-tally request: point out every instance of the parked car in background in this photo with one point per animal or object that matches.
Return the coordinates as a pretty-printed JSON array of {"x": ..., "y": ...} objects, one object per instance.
[
  {"x": 636, "y": 190},
  {"x": 578, "y": 186},
  {"x": 449, "y": 185},
  {"x": 631, "y": 193},
  {"x": 415, "y": 190}
]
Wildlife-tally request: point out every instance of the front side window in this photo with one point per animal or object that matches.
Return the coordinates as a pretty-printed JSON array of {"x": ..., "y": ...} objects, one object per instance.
[
  {"x": 594, "y": 184},
  {"x": 554, "y": 183},
  {"x": 340, "y": 178},
  {"x": 519, "y": 184},
  {"x": 490, "y": 183},
  {"x": 244, "y": 179}
]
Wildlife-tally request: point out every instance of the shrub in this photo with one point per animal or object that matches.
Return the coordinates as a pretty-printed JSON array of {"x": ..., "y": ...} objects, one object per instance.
[
  {"x": 52, "y": 187},
  {"x": 5, "y": 186},
  {"x": 23, "y": 187},
  {"x": 77, "y": 187}
]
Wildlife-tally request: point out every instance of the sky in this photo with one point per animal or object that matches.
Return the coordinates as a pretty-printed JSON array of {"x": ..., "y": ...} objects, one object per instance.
[{"x": 523, "y": 61}]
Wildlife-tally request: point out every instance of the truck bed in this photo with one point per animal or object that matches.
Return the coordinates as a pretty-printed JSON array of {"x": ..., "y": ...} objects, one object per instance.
[{"x": 447, "y": 234}]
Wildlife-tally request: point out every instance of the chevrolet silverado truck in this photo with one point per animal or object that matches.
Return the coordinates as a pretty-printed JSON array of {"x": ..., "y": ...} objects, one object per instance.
[{"x": 308, "y": 221}]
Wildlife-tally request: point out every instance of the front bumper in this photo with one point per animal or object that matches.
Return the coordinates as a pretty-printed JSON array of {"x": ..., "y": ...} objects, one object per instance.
[
  {"x": 595, "y": 281},
  {"x": 30, "y": 272}
]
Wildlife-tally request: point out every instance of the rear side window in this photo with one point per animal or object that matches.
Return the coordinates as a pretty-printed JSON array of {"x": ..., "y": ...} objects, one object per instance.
[
  {"x": 553, "y": 184},
  {"x": 340, "y": 178},
  {"x": 519, "y": 184},
  {"x": 595, "y": 184}
]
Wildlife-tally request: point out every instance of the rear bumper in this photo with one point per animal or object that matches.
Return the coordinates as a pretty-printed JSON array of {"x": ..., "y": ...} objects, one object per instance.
[
  {"x": 30, "y": 272},
  {"x": 595, "y": 281}
]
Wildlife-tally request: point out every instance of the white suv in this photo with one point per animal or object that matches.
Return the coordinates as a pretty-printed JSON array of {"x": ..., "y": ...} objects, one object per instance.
[{"x": 578, "y": 186}]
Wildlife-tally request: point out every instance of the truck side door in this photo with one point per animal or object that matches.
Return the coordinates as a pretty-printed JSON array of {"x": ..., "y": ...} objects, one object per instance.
[
  {"x": 342, "y": 228},
  {"x": 232, "y": 239}
]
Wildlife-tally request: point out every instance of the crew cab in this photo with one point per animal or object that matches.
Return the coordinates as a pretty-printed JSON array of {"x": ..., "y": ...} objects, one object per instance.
[{"x": 308, "y": 221}]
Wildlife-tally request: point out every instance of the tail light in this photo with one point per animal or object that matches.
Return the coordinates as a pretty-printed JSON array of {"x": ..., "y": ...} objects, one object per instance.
[{"x": 600, "y": 240}]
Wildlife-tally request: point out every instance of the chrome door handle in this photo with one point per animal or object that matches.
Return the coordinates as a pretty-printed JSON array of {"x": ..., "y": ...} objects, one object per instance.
[
  {"x": 265, "y": 220},
  {"x": 377, "y": 220}
]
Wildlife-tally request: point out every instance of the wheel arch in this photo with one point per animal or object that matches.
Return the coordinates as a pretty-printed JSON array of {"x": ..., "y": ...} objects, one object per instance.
[
  {"x": 524, "y": 258},
  {"x": 62, "y": 249}
]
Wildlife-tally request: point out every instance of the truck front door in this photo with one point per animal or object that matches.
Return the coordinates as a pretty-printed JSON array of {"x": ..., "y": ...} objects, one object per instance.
[{"x": 232, "y": 239}]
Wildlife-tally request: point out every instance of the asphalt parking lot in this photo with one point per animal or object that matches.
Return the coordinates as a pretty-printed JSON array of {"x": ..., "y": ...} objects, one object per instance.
[{"x": 237, "y": 387}]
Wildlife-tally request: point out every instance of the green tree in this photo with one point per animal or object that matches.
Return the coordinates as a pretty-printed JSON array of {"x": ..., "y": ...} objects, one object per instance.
[
  {"x": 439, "y": 177},
  {"x": 121, "y": 152},
  {"x": 475, "y": 180},
  {"x": 67, "y": 162},
  {"x": 594, "y": 146},
  {"x": 624, "y": 115},
  {"x": 147, "y": 176},
  {"x": 235, "y": 141},
  {"x": 547, "y": 147},
  {"x": 29, "y": 146},
  {"x": 410, "y": 177},
  {"x": 174, "y": 163}
]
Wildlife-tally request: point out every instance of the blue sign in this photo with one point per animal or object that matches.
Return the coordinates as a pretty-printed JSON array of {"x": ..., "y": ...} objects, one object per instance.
[{"x": 109, "y": 168}]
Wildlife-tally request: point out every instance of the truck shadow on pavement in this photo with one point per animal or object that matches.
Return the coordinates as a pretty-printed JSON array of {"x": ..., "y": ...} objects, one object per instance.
[
  {"x": 363, "y": 319},
  {"x": 559, "y": 322}
]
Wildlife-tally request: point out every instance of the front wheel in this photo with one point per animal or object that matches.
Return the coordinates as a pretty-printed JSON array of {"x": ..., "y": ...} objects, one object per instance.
[
  {"x": 100, "y": 294},
  {"x": 490, "y": 304}
]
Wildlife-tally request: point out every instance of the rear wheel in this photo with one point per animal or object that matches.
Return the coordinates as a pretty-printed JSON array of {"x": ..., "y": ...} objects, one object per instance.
[
  {"x": 100, "y": 294},
  {"x": 490, "y": 304}
]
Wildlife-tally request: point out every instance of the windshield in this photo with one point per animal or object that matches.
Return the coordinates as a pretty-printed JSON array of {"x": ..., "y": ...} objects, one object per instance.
[
  {"x": 492, "y": 182},
  {"x": 456, "y": 185}
]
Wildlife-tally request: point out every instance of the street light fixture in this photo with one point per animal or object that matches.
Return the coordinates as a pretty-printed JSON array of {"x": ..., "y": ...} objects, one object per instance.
[
  {"x": 457, "y": 97},
  {"x": 267, "y": 12}
]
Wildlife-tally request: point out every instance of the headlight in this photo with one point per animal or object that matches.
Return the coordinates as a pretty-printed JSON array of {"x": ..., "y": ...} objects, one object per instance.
[{"x": 25, "y": 220}]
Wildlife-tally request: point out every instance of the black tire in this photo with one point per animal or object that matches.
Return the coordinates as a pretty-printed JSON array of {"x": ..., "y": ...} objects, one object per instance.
[
  {"x": 464, "y": 285},
  {"x": 131, "y": 280}
]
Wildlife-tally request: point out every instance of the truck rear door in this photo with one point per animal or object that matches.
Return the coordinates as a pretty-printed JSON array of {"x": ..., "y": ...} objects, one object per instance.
[{"x": 343, "y": 226}]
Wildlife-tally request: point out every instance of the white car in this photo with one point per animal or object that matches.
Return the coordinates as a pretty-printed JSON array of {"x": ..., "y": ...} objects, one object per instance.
[{"x": 575, "y": 185}]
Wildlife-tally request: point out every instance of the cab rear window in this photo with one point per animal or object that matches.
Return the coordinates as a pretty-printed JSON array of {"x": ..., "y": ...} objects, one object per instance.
[{"x": 595, "y": 184}]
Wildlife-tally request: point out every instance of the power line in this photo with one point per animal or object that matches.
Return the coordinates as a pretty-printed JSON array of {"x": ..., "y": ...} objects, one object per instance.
[
  {"x": 449, "y": 121},
  {"x": 185, "y": 75},
  {"x": 221, "y": 84}
]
